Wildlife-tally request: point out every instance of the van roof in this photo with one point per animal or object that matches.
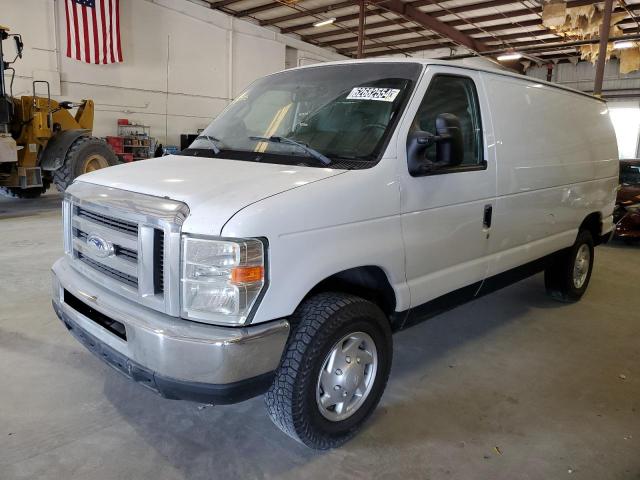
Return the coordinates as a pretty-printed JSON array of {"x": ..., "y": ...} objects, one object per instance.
[{"x": 457, "y": 64}]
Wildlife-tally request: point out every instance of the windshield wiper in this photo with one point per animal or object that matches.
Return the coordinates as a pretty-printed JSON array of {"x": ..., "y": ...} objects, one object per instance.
[
  {"x": 287, "y": 141},
  {"x": 211, "y": 141}
]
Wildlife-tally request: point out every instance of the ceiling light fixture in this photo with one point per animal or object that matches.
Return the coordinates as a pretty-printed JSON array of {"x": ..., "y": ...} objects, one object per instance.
[
  {"x": 622, "y": 44},
  {"x": 322, "y": 23},
  {"x": 509, "y": 56}
]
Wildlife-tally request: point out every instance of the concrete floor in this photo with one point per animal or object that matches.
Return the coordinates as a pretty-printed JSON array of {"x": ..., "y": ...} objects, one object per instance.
[{"x": 511, "y": 386}]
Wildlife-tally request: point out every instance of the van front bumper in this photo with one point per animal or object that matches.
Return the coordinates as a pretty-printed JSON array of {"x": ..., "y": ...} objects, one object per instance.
[{"x": 177, "y": 358}]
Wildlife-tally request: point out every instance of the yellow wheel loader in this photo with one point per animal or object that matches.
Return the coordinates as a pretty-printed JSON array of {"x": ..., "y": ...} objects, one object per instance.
[{"x": 41, "y": 142}]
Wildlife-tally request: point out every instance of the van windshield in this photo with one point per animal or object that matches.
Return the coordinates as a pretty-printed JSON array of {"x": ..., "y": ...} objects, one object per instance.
[{"x": 339, "y": 116}]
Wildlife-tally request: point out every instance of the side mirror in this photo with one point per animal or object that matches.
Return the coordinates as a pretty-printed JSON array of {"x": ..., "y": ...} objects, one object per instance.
[
  {"x": 19, "y": 45},
  {"x": 449, "y": 143}
]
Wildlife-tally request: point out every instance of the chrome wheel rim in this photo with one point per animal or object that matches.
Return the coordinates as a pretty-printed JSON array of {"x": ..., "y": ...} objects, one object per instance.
[
  {"x": 581, "y": 266},
  {"x": 347, "y": 376},
  {"x": 95, "y": 162}
]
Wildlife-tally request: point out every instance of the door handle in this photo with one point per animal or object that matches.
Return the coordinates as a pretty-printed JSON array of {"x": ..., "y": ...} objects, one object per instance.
[{"x": 488, "y": 213}]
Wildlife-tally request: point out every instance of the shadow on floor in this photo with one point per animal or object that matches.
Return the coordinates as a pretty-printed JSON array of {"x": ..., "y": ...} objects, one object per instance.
[
  {"x": 197, "y": 439},
  {"x": 18, "y": 207},
  {"x": 624, "y": 244}
]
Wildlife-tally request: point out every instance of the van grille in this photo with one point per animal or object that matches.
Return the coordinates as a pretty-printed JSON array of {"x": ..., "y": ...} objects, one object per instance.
[
  {"x": 127, "y": 242},
  {"x": 124, "y": 237},
  {"x": 158, "y": 261},
  {"x": 127, "y": 253},
  {"x": 111, "y": 272},
  {"x": 110, "y": 222}
]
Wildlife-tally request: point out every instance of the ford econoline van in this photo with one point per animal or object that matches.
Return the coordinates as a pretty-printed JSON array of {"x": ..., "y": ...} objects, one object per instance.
[{"x": 325, "y": 208}]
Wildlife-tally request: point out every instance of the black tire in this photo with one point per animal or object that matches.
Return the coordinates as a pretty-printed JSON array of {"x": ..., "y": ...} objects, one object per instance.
[
  {"x": 33, "y": 192},
  {"x": 83, "y": 150},
  {"x": 559, "y": 277},
  {"x": 318, "y": 324}
]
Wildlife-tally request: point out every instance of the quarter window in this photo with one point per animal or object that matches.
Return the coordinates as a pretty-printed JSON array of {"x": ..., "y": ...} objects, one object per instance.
[
  {"x": 456, "y": 95},
  {"x": 630, "y": 174}
]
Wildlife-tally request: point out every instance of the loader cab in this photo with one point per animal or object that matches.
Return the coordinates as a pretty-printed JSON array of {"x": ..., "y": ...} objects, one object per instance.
[{"x": 5, "y": 102}]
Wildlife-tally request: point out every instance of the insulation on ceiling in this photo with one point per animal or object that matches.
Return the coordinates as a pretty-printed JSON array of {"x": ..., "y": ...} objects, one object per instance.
[
  {"x": 583, "y": 23},
  {"x": 554, "y": 13},
  {"x": 629, "y": 59}
]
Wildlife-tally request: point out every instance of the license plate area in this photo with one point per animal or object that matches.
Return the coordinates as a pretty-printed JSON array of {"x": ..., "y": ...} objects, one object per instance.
[{"x": 116, "y": 328}]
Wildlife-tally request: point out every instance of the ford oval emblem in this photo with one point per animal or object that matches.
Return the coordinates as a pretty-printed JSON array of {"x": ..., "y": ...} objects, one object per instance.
[{"x": 99, "y": 246}]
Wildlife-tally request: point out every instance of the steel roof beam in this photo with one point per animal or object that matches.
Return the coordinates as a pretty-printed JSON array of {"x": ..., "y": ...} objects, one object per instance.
[
  {"x": 311, "y": 11},
  {"x": 472, "y": 31},
  {"x": 454, "y": 23},
  {"x": 222, "y": 3},
  {"x": 418, "y": 3},
  {"x": 401, "y": 31},
  {"x": 431, "y": 23},
  {"x": 407, "y": 41},
  {"x": 536, "y": 47}
]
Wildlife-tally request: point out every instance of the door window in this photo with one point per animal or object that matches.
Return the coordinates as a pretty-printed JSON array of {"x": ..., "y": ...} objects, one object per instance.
[{"x": 456, "y": 95}]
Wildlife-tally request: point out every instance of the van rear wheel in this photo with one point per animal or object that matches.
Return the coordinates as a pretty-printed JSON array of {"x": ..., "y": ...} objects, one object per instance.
[
  {"x": 567, "y": 278},
  {"x": 333, "y": 372}
]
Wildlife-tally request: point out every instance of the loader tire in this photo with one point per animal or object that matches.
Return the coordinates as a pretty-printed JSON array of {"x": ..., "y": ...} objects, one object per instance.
[{"x": 85, "y": 155}]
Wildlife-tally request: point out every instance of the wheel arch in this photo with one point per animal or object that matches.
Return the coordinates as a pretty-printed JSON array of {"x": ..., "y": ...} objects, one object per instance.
[
  {"x": 58, "y": 146},
  {"x": 593, "y": 224},
  {"x": 367, "y": 281}
]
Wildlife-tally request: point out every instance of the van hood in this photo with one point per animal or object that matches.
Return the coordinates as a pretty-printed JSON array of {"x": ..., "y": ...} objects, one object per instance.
[{"x": 214, "y": 189}]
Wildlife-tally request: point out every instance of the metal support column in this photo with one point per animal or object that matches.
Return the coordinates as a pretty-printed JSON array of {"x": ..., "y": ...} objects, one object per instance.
[
  {"x": 361, "y": 30},
  {"x": 602, "y": 52}
]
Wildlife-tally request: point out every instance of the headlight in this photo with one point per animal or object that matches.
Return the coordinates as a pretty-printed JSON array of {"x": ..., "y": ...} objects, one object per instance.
[{"x": 221, "y": 279}]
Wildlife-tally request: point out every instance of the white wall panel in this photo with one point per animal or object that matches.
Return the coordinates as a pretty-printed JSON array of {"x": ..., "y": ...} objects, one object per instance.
[
  {"x": 259, "y": 57},
  {"x": 198, "y": 62},
  {"x": 124, "y": 100},
  {"x": 194, "y": 106},
  {"x": 34, "y": 20}
]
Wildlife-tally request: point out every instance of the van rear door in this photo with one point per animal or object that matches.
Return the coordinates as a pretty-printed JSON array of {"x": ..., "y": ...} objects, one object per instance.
[{"x": 447, "y": 212}]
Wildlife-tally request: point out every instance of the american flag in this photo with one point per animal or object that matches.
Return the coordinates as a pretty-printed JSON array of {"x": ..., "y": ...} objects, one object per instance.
[{"x": 93, "y": 30}]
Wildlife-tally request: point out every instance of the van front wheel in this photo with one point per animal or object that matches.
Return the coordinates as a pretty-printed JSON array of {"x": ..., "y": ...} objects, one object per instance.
[
  {"x": 333, "y": 371},
  {"x": 567, "y": 278}
]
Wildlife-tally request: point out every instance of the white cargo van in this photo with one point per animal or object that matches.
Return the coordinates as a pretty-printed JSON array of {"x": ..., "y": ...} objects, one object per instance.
[{"x": 325, "y": 208}]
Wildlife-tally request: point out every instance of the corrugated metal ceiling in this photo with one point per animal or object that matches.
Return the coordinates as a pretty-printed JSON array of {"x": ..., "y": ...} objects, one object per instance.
[{"x": 392, "y": 28}]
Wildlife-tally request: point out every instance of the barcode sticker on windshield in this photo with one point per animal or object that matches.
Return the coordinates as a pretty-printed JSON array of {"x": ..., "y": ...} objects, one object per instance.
[{"x": 372, "y": 93}]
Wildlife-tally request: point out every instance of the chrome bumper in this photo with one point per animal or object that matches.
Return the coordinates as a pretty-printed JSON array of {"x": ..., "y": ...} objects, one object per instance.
[{"x": 169, "y": 348}]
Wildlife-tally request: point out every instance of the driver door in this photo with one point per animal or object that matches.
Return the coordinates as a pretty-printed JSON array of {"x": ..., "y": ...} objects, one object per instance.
[{"x": 446, "y": 213}]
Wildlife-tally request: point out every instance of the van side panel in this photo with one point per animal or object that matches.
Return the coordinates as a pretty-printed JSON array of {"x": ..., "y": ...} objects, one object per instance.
[
  {"x": 557, "y": 162},
  {"x": 324, "y": 228}
]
